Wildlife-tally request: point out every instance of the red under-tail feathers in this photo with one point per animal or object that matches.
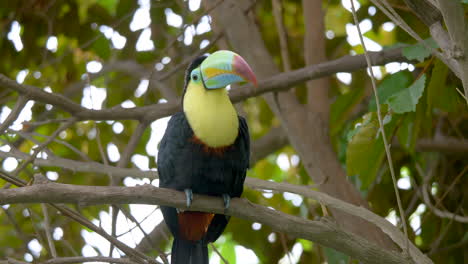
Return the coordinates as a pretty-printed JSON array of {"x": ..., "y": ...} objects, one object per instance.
[{"x": 193, "y": 225}]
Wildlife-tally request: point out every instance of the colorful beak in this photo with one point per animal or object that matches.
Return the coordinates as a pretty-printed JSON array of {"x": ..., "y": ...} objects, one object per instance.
[{"x": 223, "y": 68}]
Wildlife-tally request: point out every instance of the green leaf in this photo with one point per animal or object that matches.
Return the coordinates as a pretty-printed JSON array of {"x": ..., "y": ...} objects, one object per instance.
[
  {"x": 441, "y": 94},
  {"x": 335, "y": 18},
  {"x": 419, "y": 50},
  {"x": 341, "y": 108},
  {"x": 365, "y": 150},
  {"x": 227, "y": 249},
  {"x": 389, "y": 86},
  {"x": 406, "y": 100},
  {"x": 109, "y": 5},
  {"x": 83, "y": 6},
  {"x": 102, "y": 47},
  {"x": 306, "y": 244}
]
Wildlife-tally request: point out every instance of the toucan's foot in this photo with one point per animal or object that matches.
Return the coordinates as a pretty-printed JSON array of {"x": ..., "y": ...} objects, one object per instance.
[
  {"x": 227, "y": 201},
  {"x": 189, "y": 197}
]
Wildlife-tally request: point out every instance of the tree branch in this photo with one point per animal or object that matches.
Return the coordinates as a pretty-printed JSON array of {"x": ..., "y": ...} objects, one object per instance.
[
  {"x": 329, "y": 201},
  {"x": 69, "y": 260},
  {"x": 20, "y": 104},
  {"x": 90, "y": 166},
  {"x": 279, "y": 82},
  {"x": 270, "y": 142},
  {"x": 324, "y": 231}
]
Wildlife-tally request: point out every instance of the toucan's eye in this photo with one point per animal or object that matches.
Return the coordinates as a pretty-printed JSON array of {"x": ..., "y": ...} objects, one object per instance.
[{"x": 195, "y": 77}]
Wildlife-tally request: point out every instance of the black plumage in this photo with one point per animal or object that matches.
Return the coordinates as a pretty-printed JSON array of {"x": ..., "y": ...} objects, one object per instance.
[{"x": 184, "y": 162}]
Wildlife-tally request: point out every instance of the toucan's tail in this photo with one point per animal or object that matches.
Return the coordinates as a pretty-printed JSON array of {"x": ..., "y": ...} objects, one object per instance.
[{"x": 189, "y": 252}]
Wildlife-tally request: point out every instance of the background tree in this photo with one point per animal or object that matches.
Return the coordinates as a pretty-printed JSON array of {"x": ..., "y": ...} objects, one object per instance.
[{"x": 86, "y": 88}]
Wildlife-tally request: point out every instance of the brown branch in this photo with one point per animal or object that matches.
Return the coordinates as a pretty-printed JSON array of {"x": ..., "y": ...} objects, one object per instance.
[
  {"x": 457, "y": 27},
  {"x": 270, "y": 142},
  {"x": 425, "y": 11},
  {"x": 30, "y": 137},
  {"x": 43, "y": 145},
  {"x": 41, "y": 180},
  {"x": 447, "y": 145},
  {"x": 158, "y": 234},
  {"x": 50, "y": 241},
  {"x": 154, "y": 238},
  {"x": 93, "y": 167},
  {"x": 324, "y": 199},
  {"x": 20, "y": 104},
  {"x": 69, "y": 260},
  {"x": 325, "y": 231},
  {"x": 280, "y": 82},
  {"x": 282, "y": 34}
]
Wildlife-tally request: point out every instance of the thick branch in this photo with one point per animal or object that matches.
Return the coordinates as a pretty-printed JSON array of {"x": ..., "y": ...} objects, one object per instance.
[
  {"x": 279, "y": 82},
  {"x": 253, "y": 183},
  {"x": 324, "y": 231},
  {"x": 69, "y": 260},
  {"x": 272, "y": 141}
]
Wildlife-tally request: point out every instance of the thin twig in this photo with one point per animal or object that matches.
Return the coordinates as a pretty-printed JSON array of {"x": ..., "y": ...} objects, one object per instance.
[
  {"x": 282, "y": 34},
  {"x": 136, "y": 255},
  {"x": 219, "y": 254},
  {"x": 28, "y": 136},
  {"x": 69, "y": 260},
  {"x": 382, "y": 130},
  {"x": 433, "y": 208},
  {"x": 19, "y": 232},
  {"x": 279, "y": 82},
  {"x": 285, "y": 247},
  {"x": 40, "y": 147},
  {"x": 48, "y": 232},
  {"x": 318, "y": 231},
  {"x": 390, "y": 12},
  {"x": 128, "y": 215},
  {"x": 20, "y": 104}
]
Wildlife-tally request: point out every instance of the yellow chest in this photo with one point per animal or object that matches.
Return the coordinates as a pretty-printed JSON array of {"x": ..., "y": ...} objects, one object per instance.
[{"x": 211, "y": 115}]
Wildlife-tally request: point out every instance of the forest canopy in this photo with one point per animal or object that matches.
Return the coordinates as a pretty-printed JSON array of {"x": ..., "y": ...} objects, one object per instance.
[{"x": 348, "y": 163}]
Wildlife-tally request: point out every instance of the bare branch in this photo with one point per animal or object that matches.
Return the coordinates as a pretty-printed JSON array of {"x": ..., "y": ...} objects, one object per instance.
[
  {"x": 41, "y": 180},
  {"x": 458, "y": 30},
  {"x": 69, "y": 260},
  {"x": 40, "y": 147},
  {"x": 382, "y": 130},
  {"x": 324, "y": 231},
  {"x": 272, "y": 141},
  {"x": 282, "y": 34},
  {"x": 48, "y": 232},
  {"x": 159, "y": 233},
  {"x": 91, "y": 166},
  {"x": 447, "y": 145},
  {"x": 279, "y": 82},
  {"x": 22, "y": 100}
]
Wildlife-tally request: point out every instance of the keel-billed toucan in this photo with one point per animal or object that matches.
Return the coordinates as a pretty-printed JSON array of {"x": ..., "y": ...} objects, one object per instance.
[{"x": 205, "y": 150}]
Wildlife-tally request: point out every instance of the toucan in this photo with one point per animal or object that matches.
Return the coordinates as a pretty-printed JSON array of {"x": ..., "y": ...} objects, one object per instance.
[{"x": 205, "y": 150}]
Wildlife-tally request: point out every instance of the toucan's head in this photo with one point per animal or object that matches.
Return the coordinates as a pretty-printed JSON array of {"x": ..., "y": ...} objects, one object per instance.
[
  {"x": 206, "y": 103},
  {"x": 218, "y": 70}
]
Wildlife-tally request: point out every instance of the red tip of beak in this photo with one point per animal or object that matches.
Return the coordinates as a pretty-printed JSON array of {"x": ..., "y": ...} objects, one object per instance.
[{"x": 243, "y": 69}]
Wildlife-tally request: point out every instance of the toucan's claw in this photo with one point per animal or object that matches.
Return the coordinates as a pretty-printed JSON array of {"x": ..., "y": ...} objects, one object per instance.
[
  {"x": 227, "y": 201},
  {"x": 189, "y": 196}
]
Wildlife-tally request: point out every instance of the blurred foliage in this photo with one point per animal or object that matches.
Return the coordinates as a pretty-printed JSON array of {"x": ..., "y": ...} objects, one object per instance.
[{"x": 419, "y": 101}]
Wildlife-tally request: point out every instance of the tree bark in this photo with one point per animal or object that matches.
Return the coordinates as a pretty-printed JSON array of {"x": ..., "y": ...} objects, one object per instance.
[{"x": 307, "y": 130}]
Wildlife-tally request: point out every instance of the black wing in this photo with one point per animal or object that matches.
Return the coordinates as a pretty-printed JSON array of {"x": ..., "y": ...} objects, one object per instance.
[
  {"x": 219, "y": 222},
  {"x": 183, "y": 163}
]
